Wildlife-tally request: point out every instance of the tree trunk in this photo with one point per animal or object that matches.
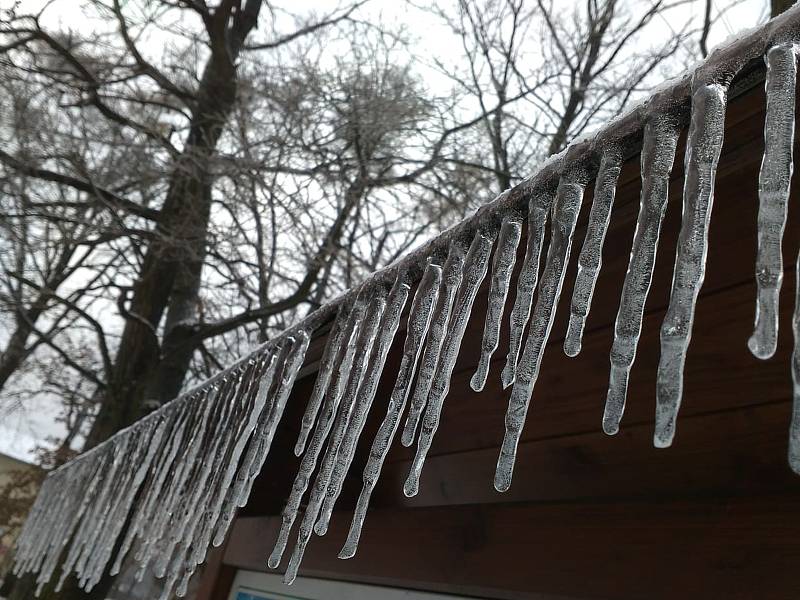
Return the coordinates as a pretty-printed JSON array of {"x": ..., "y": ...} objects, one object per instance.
[{"x": 170, "y": 277}]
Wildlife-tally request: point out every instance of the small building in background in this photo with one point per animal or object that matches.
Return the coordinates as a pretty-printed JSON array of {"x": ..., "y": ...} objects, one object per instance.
[{"x": 19, "y": 483}]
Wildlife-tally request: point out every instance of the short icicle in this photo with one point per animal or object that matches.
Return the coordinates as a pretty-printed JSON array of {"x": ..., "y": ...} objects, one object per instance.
[
  {"x": 318, "y": 490},
  {"x": 417, "y": 328},
  {"x": 502, "y": 267},
  {"x": 591, "y": 256},
  {"x": 794, "y": 427},
  {"x": 773, "y": 195},
  {"x": 366, "y": 395},
  {"x": 658, "y": 156},
  {"x": 451, "y": 279},
  {"x": 475, "y": 267},
  {"x": 565, "y": 215},
  {"x": 538, "y": 209},
  {"x": 703, "y": 147}
]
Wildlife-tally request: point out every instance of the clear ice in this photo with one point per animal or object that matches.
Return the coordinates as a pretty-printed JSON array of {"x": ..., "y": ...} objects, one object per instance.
[
  {"x": 773, "y": 195},
  {"x": 419, "y": 319},
  {"x": 703, "y": 146},
  {"x": 451, "y": 279},
  {"x": 538, "y": 209},
  {"x": 591, "y": 256},
  {"x": 474, "y": 267},
  {"x": 658, "y": 155},
  {"x": 565, "y": 215},
  {"x": 502, "y": 267}
]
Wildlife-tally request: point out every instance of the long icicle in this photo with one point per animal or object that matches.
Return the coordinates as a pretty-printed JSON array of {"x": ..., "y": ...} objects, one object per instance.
[
  {"x": 538, "y": 209},
  {"x": 565, "y": 215},
  {"x": 451, "y": 279},
  {"x": 186, "y": 559},
  {"x": 364, "y": 346},
  {"x": 658, "y": 157},
  {"x": 387, "y": 329},
  {"x": 419, "y": 318},
  {"x": 319, "y": 435},
  {"x": 502, "y": 267},
  {"x": 703, "y": 147},
  {"x": 475, "y": 266},
  {"x": 327, "y": 364},
  {"x": 193, "y": 547},
  {"x": 773, "y": 195},
  {"x": 241, "y": 480},
  {"x": 591, "y": 256}
]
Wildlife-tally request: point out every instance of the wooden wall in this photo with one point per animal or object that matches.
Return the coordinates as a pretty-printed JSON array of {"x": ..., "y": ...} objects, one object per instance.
[{"x": 592, "y": 516}]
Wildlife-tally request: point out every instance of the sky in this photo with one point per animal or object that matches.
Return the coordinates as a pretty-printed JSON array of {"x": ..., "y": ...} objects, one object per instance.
[{"x": 21, "y": 431}]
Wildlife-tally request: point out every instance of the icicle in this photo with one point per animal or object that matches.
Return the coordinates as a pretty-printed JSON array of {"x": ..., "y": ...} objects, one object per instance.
[
  {"x": 190, "y": 505},
  {"x": 773, "y": 195},
  {"x": 565, "y": 215},
  {"x": 178, "y": 471},
  {"x": 254, "y": 403},
  {"x": 658, "y": 156},
  {"x": 538, "y": 209},
  {"x": 794, "y": 427},
  {"x": 192, "y": 538},
  {"x": 97, "y": 516},
  {"x": 186, "y": 559},
  {"x": 591, "y": 256},
  {"x": 158, "y": 504},
  {"x": 502, "y": 267},
  {"x": 322, "y": 430},
  {"x": 387, "y": 329},
  {"x": 474, "y": 271},
  {"x": 141, "y": 513},
  {"x": 141, "y": 457},
  {"x": 703, "y": 147},
  {"x": 451, "y": 279},
  {"x": 417, "y": 328},
  {"x": 254, "y": 457},
  {"x": 260, "y": 412},
  {"x": 138, "y": 459},
  {"x": 363, "y": 348},
  {"x": 332, "y": 350}
]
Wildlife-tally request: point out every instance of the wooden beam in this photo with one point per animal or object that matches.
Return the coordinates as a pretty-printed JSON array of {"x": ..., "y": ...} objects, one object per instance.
[{"x": 733, "y": 548}]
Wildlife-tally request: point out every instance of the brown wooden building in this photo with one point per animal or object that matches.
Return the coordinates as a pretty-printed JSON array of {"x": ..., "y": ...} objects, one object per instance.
[{"x": 717, "y": 515}]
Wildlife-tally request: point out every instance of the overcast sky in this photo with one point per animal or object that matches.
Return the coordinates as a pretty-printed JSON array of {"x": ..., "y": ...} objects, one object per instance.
[{"x": 22, "y": 430}]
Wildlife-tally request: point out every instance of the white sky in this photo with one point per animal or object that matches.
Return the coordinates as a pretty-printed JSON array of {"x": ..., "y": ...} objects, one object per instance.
[{"x": 21, "y": 430}]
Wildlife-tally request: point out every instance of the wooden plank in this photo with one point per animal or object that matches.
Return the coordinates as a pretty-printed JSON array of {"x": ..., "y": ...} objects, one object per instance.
[
  {"x": 662, "y": 549},
  {"x": 733, "y": 452}
]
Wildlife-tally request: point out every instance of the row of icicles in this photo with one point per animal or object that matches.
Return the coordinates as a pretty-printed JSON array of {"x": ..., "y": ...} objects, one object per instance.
[{"x": 176, "y": 477}]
